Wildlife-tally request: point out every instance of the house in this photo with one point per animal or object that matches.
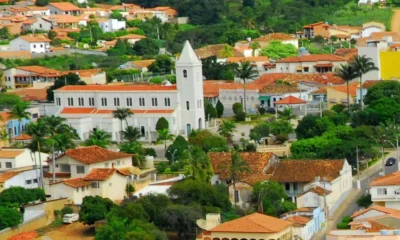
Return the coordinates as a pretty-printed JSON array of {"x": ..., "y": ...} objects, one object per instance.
[
  {"x": 372, "y": 27},
  {"x": 91, "y": 106},
  {"x": 90, "y": 76},
  {"x": 298, "y": 105},
  {"x": 306, "y": 221},
  {"x": 39, "y": 11},
  {"x": 332, "y": 175},
  {"x": 272, "y": 93},
  {"x": 346, "y": 53},
  {"x": 112, "y": 25},
  {"x": 141, "y": 65},
  {"x": 132, "y": 38},
  {"x": 364, "y": 88},
  {"x": 325, "y": 30},
  {"x": 377, "y": 216},
  {"x": 36, "y": 24},
  {"x": 162, "y": 13},
  {"x": 14, "y": 126},
  {"x": 67, "y": 8},
  {"x": 67, "y": 21},
  {"x": 26, "y": 178},
  {"x": 338, "y": 94},
  {"x": 16, "y": 159},
  {"x": 314, "y": 63},
  {"x": 281, "y": 37},
  {"x": 295, "y": 78},
  {"x": 158, "y": 187},
  {"x": 259, "y": 62},
  {"x": 32, "y": 43},
  {"x": 385, "y": 190},
  {"x": 218, "y": 51},
  {"x": 253, "y": 226}
]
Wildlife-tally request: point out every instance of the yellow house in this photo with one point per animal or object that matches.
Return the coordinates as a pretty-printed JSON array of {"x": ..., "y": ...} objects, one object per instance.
[
  {"x": 390, "y": 65},
  {"x": 338, "y": 94},
  {"x": 253, "y": 226}
]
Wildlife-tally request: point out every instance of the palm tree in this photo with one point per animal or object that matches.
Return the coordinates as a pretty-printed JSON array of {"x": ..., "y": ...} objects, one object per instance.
[
  {"x": 131, "y": 133},
  {"x": 287, "y": 114},
  {"x": 99, "y": 138},
  {"x": 254, "y": 46},
  {"x": 226, "y": 129},
  {"x": 348, "y": 73},
  {"x": 197, "y": 165},
  {"x": 18, "y": 112},
  {"x": 55, "y": 126},
  {"x": 227, "y": 51},
  {"x": 135, "y": 148},
  {"x": 38, "y": 133},
  {"x": 246, "y": 71},
  {"x": 122, "y": 114},
  {"x": 3, "y": 136},
  {"x": 238, "y": 165},
  {"x": 363, "y": 65},
  {"x": 164, "y": 135}
]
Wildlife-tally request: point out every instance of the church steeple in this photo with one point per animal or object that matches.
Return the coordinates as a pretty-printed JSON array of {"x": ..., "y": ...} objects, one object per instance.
[{"x": 188, "y": 56}]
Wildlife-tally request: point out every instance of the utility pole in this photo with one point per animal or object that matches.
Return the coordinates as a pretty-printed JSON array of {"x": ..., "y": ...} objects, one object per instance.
[{"x": 358, "y": 170}]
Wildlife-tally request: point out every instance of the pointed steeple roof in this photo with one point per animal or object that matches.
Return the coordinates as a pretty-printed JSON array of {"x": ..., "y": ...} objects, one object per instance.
[{"x": 188, "y": 55}]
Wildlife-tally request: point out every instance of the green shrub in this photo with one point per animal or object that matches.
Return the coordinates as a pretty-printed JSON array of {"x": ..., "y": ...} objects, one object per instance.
[
  {"x": 261, "y": 111},
  {"x": 237, "y": 107},
  {"x": 240, "y": 116},
  {"x": 150, "y": 152},
  {"x": 156, "y": 80},
  {"x": 161, "y": 167},
  {"x": 66, "y": 210},
  {"x": 364, "y": 201}
]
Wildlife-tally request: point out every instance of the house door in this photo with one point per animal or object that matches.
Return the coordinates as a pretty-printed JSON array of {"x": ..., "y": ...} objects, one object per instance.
[
  {"x": 188, "y": 129},
  {"x": 200, "y": 124},
  {"x": 142, "y": 131}
]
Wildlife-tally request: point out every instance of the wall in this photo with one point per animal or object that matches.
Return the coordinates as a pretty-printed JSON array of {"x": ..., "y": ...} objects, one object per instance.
[
  {"x": 366, "y": 32},
  {"x": 373, "y": 53},
  {"x": 232, "y": 235},
  {"x": 390, "y": 65},
  {"x": 336, "y": 97},
  {"x": 21, "y": 179},
  {"x": 229, "y": 97}
]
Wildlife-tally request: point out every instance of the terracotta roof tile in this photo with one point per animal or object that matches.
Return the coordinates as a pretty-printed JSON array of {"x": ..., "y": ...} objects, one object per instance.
[
  {"x": 290, "y": 100},
  {"x": 369, "y": 83},
  {"x": 247, "y": 59},
  {"x": 313, "y": 58},
  {"x": 140, "y": 88},
  {"x": 58, "y": 175},
  {"x": 7, "y": 175},
  {"x": 385, "y": 210},
  {"x": 215, "y": 50},
  {"x": 256, "y": 161},
  {"x": 346, "y": 53},
  {"x": 24, "y": 236},
  {"x": 143, "y": 63},
  {"x": 40, "y": 70},
  {"x": 270, "y": 78},
  {"x": 377, "y": 227},
  {"x": 15, "y": 54},
  {"x": 100, "y": 174},
  {"x": 64, "y": 6},
  {"x": 76, "y": 182},
  {"x": 23, "y": 137},
  {"x": 274, "y": 37},
  {"x": 132, "y": 36},
  {"x": 318, "y": 190},
  {"x": 253, "y": 223},
  {"x": 352, "y": 89},
  {"x": 32, "y": 94},
  {"x": 299, "y": 220},
  {"x": 280, "y": 88},
  {"x": 70, "y": 110},
  {"x": 321, "y": 90},
  {"x": 94, "y": 154},
  {"x": 8, "y": 153},
  {"x": 35, "y": 38},
  {"x": 387, "y": 180}
]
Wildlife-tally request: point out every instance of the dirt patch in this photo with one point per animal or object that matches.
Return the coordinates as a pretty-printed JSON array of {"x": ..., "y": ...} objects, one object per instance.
[
  {"x": 395, "y": 25},
  {"x": 72, "y": 231}
]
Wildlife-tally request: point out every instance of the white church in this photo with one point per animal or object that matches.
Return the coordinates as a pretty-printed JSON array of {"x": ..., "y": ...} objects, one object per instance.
[{"x": 90, "y": 107}]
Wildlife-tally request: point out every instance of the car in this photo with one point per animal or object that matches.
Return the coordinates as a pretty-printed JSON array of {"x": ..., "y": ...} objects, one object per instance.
[
  {"x": 70, "y": 218},
  {"x": 390, "y": 162},
  {"x": 270, "y": 110}
]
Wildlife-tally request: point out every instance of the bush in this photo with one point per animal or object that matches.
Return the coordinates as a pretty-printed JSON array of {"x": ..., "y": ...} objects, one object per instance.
[
  {"x": 237, "y": 107},
  {"x": 364, "y": 201},
  {"x": 66, "y": 210},
  {"x": 240, "y": 116},
  {"x": 220, "y": 109},
  {"x": 150, "y": 152},
  {"x": 161, "y": 167},
  {"x": 161, "y": 124},
  {"x": 157, "y": 80},
  {"x": 261, "y": 111},
  {"x": 344, "y": 224}
]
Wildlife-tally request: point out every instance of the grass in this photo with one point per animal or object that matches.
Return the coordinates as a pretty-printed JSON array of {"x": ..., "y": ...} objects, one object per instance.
[
  {"x": 56, "y": 224},
  {"x": 185, "y": 27}
]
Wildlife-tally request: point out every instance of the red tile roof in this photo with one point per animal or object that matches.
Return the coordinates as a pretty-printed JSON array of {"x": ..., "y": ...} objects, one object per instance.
[
  {"x": 7, "y": 175},
  {"x": 369, "y": 83},
  {"x": 388, "y": 211},
  {"x": 112, "y": 88},
  {"x": 100, "y": 174},
  {"x": 290, "y": 100},
  {"x": 247, "y": 59},
  {"x": 253, "y": 223},
  {"x": 58, "y": 175},
  {"x": 76, "y": 182},
  {"x": 312, "y": 58},
  {"x": 132, "y": 36},
  {"x": 299, "y": 220},
  {"x": 326, "y": 78},
  {"x": 387, "y": 180},
  {"x": 343, "y": 89},
  {"x": 32, "y": 94},
  {"x": 24, "y": 236},
  {"x": 95, "y": 154},
  {"x": 35, "y": 38},
  {"x": 23, "y": 137},
  {"x": 275, "y": 37},
  {"x": 64, "y": 6},
  {"x": 318, "y": 190},
  {"x": 78, "y": 110}
]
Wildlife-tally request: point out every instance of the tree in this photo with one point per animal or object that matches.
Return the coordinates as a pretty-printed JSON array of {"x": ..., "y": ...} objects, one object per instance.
[
  {"x": 363, "y": 65},
  {"x": 130, "y": 211},
  {"x": 246, "y": 71},
  {"x": 165, "y": 135},
  {"x": 237, "y": 107},
  {"x": 197, "y": 165},
  {"x": 226, "y": 129},
  {"x": 383, "y": 89},
  {"x": 120, "y": 48},
  {"x": 162, "y": 123},
  {"x": 177, "y": 149},
  {"x": 238, "y": 165},
  {"x": 311, "y": 126},
  {"x": 364, "y": 201},
  {"x": 254, "y": 46},
  {"x": 129, "y": 189},
  {"x": 249, "y": 3},
  {"x": 38, "y": 132},
  {"x": 42, "y": 3},
  {"x": 153, "y": 204},
  {"x": 220, "y": 109},
  {"x": 8, "y": 100},
  {"x": 4, "y": 136},
  {"x": 287, "y": 114},
  {"x": 162, "y": 64},
  {"x": 94, "y": 208},
  {"x": 17, "y": 196},
  {"x": 19, "y": 112},
  {"x": 98, "y": 137},
  {"x": 122, "y": 114},
  {"x": 209, "y": 110},
  {"x": 259, "y": 131},
  {"x": 52, "y": 35},
  {"x": 69, "y": 79},
  {"x": 277, "y": 50},
  {"x": 269, "y": 197},
  {"x": 347, "y": 73},
  {"x": 116, "y": 15},
  {"x": 146, "y": 46},
  {"x": 9, "y": 217},
  {"x": 131, "y": 134},
  {"x": 208, "y": 141},
  {"x": 227, "y": 51},
  {"x": 135, "y": 148}
]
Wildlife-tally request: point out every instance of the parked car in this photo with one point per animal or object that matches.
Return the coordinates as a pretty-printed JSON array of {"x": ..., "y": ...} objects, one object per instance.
[
  {"x": 390, "y": 162},
  {"x": 70, "y": 218},
  {"x": 270, "y": 110}
]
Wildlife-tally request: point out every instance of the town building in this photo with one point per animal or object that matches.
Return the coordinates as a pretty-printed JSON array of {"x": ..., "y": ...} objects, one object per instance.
[
  {"x": 280, "y": 37},
  {"x": 58, "y": 8},
  {"x": 165, "y": 14},
  {"x": 338, "y": 94},
  {"x": 26, "y": 178},
  {"x": 220, "y": 51},
  {"x": 372, "y": 27},
  {"x": 141, "y": 65},
  {"x": 132, "y": 38},
  {"x": 364, "y": 88},
  {"x": 15, "y": 159},
  {"x": 375, "y": 218},
  {"x": 14, "y": 126},
  {"x": 36, "y": 24},
  {"x": 91, "y": 106},
  {"x": 31, "y": 43},
  {"x": 112, "y": 25},
  {"x": 314, "y": 63},
  {"x": 385, "y": 190}
]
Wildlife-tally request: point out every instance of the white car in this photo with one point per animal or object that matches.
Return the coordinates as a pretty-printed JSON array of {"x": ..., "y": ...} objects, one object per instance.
[{"x": 70, "y": 218}]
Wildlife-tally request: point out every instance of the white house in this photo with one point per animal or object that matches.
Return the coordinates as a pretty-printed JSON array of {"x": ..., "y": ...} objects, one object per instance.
[
  {"x": 306, "y": 221},
  {"x": 132, "y": 38},
  {"x": 372, "y": 27},
  {"x": 91, "y": 106},
  {"x": 112, "y": 25},
  {"x": 36, "y": 24},
  {"x": 385, "y": 190},
  {"x": 31, "y": 43},
  {"x": 67, "y": 8},
  {"x": 314, "y": 63},
  {"x": 26, "y": 178},
  {"x": 11, "y": 159},
  {"x": 39, "y": 11}
]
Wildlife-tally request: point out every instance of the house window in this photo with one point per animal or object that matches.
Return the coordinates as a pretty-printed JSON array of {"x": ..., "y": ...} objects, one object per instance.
[
  {"x": 77, "y": 190},
  {"x": 106, "y": 165},
  {"x": 70, "y": 102},
  {"x": 95, "y": 185},
  {"x": 28, "y": 182},
  {"x": 40, "y": 25},
  {"x": 154, "y": 102},
  {"x": 141, "y": 102},
  {"x": 80, "y": 101},
  {"x": 184, "y": 73},
  {"x": 34, "y": 45},
  {"x": 287, "y": 186},
  {"x": 65, "y": 168},
  {"x": 58, "y": 101},
  {"x": 35, "y": 180},
  {"x": 83, "y": 189},
  {"x": 305, "y": 69},
  {"x": 80, "y": 169},
  {"x": 103, "y": 102},
  {"x": 129, "y": 102},
  {"x": 382, "y": 191},
  {"x": 236, "y": 196},
  {"x": 295, "y": 186},
  {"x": 167, "y": 102},
  {"x": 116, "y": 102},
  {"x": 91, "y": 101},
  {"x": 397, "y": 191},
  {"x": 41, "y": 45},
  {"x": 8, "y": 164}
]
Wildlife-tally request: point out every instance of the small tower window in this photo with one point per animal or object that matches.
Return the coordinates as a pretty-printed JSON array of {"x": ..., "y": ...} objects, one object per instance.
[
  {"x": 184, "y": 73},
  {"x": 187, "y": 105}
]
